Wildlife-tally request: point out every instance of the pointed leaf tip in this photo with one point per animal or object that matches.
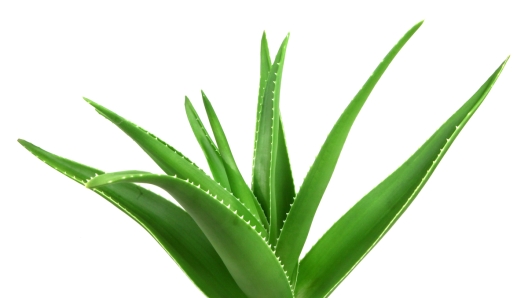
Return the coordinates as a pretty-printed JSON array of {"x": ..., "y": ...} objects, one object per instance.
[
  {"x": 25, "y": 144},
  {"x": 416, "y": 27},
  {"x": 91, "y": 102},
  {"x": 505, "y": 61},
  {"x": 111, "y": 116}
]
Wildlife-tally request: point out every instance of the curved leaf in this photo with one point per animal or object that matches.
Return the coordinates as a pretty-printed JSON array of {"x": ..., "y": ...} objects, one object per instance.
[
  {"x": 239, "y": 187},
  {"x": 209, "y": 149},
  {"x": 240, "y": 244},
  {"x": 171, "y": 161},
  {"x": 299, "y": 220},
  {"x": 171, "y": 226},
  {"x": 347, "y": 242}
]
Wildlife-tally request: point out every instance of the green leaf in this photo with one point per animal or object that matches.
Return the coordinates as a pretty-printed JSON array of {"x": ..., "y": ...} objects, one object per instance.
[
  {"x": 239, "y": 242},
  {"x": 299, "y": 220},
  {"x": 256, "y": 174},
  {"x": 214, "y": 159},
  {"x": 239, "y": 187},
  {"x": 347, "y": 242},
  {"x": 274, "y": 194},
  {"x": 171, "y": 161},
  {"x": 284, "y": 179},
  {"x": 284, "y": 187},
  {"x": 171, "y": 226}
]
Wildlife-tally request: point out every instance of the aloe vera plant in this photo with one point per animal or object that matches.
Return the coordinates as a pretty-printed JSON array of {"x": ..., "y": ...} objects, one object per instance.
[{"x": 237, "y": 240}]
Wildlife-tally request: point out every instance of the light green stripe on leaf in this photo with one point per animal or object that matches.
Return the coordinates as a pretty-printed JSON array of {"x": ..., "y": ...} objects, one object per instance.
[
  {"x": 239, "y": 242},
  {"x": 170, "y": 226},
  {"x": 347, "y": 242},
  {"x": 299, "y": 220},
  {"x": 216, "y": 164},
  {"x": 239, "y": 187}
]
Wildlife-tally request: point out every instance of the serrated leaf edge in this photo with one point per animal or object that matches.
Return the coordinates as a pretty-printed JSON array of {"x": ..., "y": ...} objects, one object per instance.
[{"x": 215, "y": 197}]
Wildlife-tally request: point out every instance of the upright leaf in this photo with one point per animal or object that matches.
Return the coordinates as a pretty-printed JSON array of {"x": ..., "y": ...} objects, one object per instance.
[
  {"x": 284, "y": 187},
  {"x": 265, "y": 65},
  {"x": 240, "y": 243},
  {"x": 239, "y": 187},
  {"x": 214, "y": 159},
  {"x": 170, "y": 226},
  {"x": 299, "y": 220},
  {"x": 348, "y": 241},
  {"x": 266, "y": 156},
  {"x": 171, "y": 161},
  {"x": 284, "y": 180}
]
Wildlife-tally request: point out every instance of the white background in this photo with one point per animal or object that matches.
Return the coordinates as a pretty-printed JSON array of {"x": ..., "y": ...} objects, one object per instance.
[{"x": 464, "y": 236}]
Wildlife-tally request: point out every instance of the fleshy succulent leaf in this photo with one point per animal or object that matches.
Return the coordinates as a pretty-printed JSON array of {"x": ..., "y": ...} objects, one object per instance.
[
  {"x": 239, "y": 242},
  {"x": 300, "y": 217},
  {"x": 285, "y": 189},
  {"x": 348, "y": 241},
  {"x": 211, "y": 152},
  {"x": 265, "y": 66},
  {"x": 170, "y": 225},
  {"x": 284, "y": 184},
  {"x": 239, "y": 187},
  {"x": 170, "y": 160},
  {"x": 267, "y": 142}
]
